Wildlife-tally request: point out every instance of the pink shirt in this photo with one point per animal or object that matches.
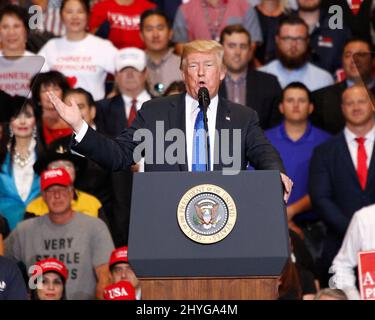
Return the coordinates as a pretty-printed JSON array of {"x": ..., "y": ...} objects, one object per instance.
[{"x": 196, "y": 19}]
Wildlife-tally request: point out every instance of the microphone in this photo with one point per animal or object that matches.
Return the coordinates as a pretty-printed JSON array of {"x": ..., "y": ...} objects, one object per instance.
[
  {"x": 204, "y": 97},
  {"x": 204, "y": 101}
]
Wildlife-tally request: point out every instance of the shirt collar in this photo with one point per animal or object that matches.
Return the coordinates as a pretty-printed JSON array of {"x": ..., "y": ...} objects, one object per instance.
[
  {"x": 351, "y": 136},
  {"x": 304, "y": 137},
  {"x": 193, "y": 104},
  {"x": 151, "y": 64},
  {"x": 142, "y": 97},
  {"x": 239, "y": 80}
]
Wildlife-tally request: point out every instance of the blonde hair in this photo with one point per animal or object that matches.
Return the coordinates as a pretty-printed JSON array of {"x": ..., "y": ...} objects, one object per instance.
[{"x": 202, "y": 46}]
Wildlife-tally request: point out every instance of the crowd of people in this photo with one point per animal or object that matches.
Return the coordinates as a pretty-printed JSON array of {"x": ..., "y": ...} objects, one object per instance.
[{"x": 67, "y": 218}]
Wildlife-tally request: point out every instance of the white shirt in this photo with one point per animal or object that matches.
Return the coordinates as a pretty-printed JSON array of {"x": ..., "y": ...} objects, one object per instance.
[
  {"x": 15, "y": 74},
  {"x": 360, "y": 236},
  {"x": 353, "y": 145},
  {"x": 191, "y": 112},
  {"x": 85, "y": 63},
  {"x": 141, "y": 98},
  {"x": 24, "y": 176}
]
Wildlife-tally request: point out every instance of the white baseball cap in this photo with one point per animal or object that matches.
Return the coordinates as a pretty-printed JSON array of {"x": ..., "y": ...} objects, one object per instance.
[{"x": 130, "y": 57}]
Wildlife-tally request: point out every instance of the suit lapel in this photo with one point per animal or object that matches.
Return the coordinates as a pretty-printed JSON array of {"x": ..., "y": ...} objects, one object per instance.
[
  {"x": 223, "y": 121},
  {"x": 176, "y": 117},
  {"x": 371, "y": 170},
  {"x": 346, "y": 158},
  {"x": 251, "y": 86}
]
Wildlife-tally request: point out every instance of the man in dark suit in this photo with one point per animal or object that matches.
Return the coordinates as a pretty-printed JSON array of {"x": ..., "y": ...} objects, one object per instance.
[
  {"x": 201, "y": 67},
  {"x": 115, "y": 115},
  {"x": 357, "y": 63},
  {"x": 245, "y": 85},
  {"x": 342, "y": 172}
]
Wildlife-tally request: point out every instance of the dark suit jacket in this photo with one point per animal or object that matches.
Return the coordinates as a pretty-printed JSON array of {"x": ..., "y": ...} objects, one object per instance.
[
  {"x": 117, "y": 154},
  {"x": 263, "y": 94},
  {"x": 110, "y": 116},
  {"x": 327, "y": 113},
  {"x": 335, "y": 190},
  {"x": 111, "y": 120}
]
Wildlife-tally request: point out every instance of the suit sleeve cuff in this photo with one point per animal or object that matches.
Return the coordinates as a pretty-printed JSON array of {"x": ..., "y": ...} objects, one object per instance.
[{"x": 80, "y": 135}]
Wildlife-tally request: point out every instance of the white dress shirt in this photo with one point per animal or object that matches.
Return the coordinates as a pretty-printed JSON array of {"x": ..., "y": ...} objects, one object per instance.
[
  {"x": 360, "y": 236},
  {"x": 141, "y": 98},
  {"x": 353, "y": 145},
  {"x": 191, "y": 112}
]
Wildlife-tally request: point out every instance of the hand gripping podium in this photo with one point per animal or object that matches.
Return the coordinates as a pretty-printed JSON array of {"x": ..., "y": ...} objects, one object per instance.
[{"x": 172, "y": 210}]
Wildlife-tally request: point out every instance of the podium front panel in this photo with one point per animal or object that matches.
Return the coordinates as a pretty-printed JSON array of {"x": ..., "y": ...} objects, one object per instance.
[{"x": 258, "y": 245}]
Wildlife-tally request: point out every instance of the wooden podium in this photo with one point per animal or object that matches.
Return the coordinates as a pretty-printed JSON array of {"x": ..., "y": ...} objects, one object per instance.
[{"x": 247, "y": 288}]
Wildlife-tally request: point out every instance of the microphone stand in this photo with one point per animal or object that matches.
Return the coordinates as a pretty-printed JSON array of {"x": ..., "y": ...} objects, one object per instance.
[{"x": 205, "y": 121}]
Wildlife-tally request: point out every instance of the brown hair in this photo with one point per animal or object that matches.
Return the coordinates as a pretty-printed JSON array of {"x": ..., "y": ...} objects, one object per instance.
[
  {"x": 234, "y": 28},
  {"x": 290, "y": 281},
  {"x": 333, "y": 293}
]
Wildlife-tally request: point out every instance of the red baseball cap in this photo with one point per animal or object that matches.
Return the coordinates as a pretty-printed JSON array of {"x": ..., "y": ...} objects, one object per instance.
[
  {"x": 55, "y": 176},
  {"x": 122, "y": 290},
  {"x": 55, "y": 265},
  {"x": 119, "y": 255}
]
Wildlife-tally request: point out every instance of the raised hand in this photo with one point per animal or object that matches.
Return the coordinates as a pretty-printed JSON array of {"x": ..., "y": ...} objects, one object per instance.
[{"x": 70, "y": 114}]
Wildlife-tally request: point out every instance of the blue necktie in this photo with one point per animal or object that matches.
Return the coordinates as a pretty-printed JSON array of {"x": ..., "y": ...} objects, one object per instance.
[{"x": 199, "y": 144}]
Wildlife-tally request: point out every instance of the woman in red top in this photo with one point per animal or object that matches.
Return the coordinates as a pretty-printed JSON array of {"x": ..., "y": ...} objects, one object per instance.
[{"x": 53, "y": 126}]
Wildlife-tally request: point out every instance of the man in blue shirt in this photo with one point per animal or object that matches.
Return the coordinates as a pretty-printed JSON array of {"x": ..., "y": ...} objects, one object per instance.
[
  {"x": 12, "y": 284},
  {"x": 295, "y": 139}
]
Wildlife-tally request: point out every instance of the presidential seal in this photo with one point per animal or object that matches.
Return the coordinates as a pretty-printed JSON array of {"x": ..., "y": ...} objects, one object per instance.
[{"x": 206, "y": 214}]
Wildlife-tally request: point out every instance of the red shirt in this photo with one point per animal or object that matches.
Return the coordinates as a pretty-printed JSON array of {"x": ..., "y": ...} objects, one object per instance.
[
  {"x": 124, "y": 21},
  {"x": 51, "y": 135}
]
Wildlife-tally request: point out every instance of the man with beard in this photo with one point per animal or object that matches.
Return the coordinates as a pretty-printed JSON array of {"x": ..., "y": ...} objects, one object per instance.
[
  {"x": 292, "y": 51},
  {"x": 245, "y": 85},
  {"x": 326, "y": 43}
]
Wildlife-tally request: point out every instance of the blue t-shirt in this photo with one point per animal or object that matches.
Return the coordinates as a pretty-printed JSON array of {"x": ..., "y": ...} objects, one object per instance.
[
  {"x": 296, "y": 157},
  {"x": 12, "y": 285}
]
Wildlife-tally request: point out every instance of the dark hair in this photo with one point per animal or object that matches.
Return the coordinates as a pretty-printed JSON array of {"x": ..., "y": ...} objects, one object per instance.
[
  {"x": 234, "y": 28},
  {"x": 297, "y": 85},
  {"x": 19, "y": 12},
  {"x": 152, "y": 12},
  {"x": 89, "y": 98},
  {"x": 358, "y": 39},
  {"x": 291, "y": 286},
  {"x": 34, "y": 292},
  {"x": 47, "y": 78},
  {"x": 85, "y": 4},
  {"x": 20, "y": 105},
  {"x": 293, "y": 20},
  {"x": 175, "y": 86}
]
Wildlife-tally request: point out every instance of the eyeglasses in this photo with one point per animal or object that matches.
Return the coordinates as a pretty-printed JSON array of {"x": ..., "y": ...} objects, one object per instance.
[{"x": 299, "y": 40}]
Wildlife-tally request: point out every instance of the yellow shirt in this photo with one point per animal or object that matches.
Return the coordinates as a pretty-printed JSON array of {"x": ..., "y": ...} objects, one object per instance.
[{"x": 85, "y": 203}]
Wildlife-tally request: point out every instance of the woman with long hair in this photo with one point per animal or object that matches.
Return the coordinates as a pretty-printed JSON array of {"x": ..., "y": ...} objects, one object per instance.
[
  {"x": 22, "y": 144},
  {"x": 53, "y": 127}
]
